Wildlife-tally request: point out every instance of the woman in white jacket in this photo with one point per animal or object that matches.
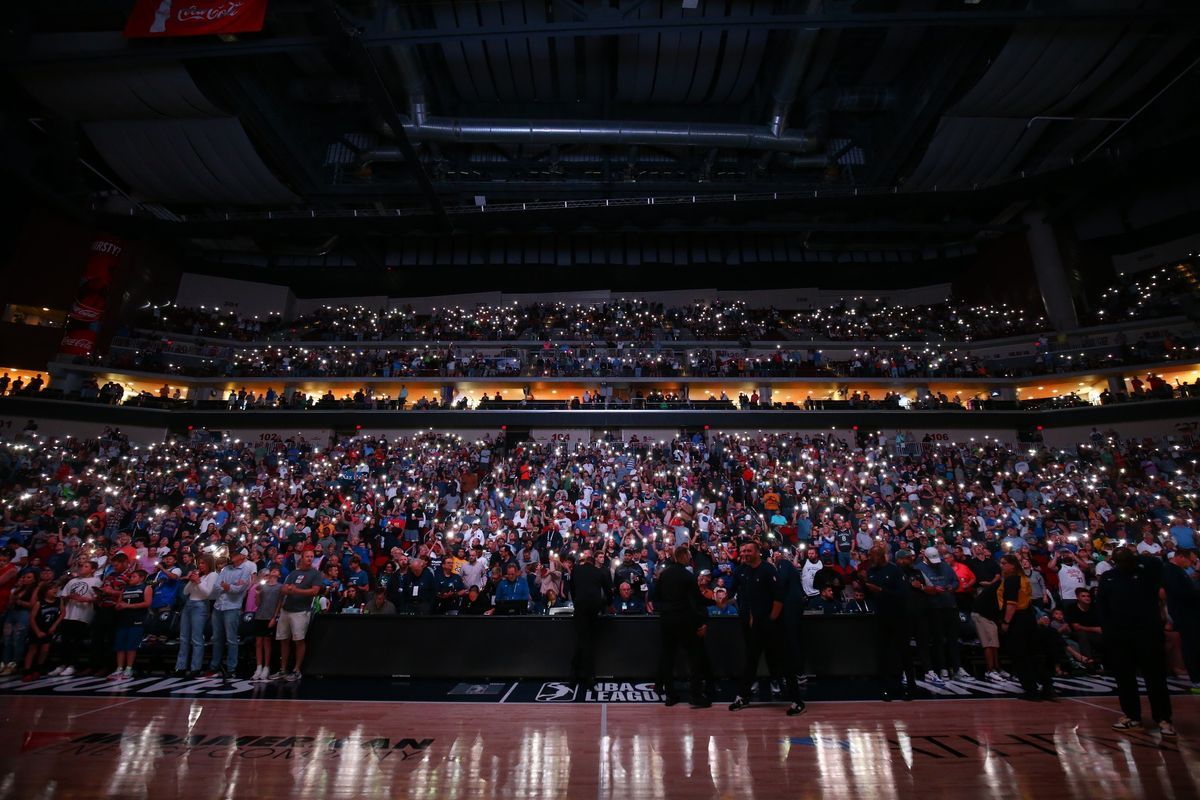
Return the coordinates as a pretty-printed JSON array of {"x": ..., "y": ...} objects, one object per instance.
[{"x": 198, "y": 591}]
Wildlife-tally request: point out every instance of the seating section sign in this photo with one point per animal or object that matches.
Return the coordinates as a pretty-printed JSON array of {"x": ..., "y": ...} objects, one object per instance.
[{"x": 160, "y": 18}]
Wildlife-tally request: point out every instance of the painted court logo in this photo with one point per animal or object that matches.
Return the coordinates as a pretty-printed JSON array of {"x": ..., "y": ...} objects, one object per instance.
[
  {"x": 556, "y": 692},
  {"x": 559, "y": 692},
  {"x": 245, "y": 746}
]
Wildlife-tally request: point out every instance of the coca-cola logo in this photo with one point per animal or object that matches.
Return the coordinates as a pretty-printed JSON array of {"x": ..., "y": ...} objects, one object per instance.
[
  {"x": 76, "y": 343},
  {"x": 210, "y": 13}
]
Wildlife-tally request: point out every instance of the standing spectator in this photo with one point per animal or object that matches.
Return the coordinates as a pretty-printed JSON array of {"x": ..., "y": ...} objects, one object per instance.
[
  {"x": 760, "y": 605},
  {"x": 78, "y": 601},
  {"x": 1183, "y": 606},
  {"x": 1131, "y": 616},
  {"x": 1018, "y": 629},
  {"x": 104, "y": 626},
  {"x": 268, "y": 593},
  {"x": 16, "y": 623},
  {"x": 43, "y": 625},
  {"x": 130, "y": 611},
  {"x": 291, "y": 621},
  {"x": 940, "y": 585},
  {"x": 233, "y": 582},
  {"x": 197, "y": 591}
]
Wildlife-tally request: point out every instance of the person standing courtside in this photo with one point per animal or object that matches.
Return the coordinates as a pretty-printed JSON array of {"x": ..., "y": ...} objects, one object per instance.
[
  {"x": 760, "y": 606},
  {"x": 890, "y": 590},
  {"x": 795, "y": 600},
  {"x": 1131, "y": 617},
  {"x": 682, "y": 624},
  {"x": 593, "y": 590}
]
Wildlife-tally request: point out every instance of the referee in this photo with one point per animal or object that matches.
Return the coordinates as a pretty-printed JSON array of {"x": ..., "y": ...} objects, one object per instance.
[
  {"x": 682, "y": 624},
  {"x": 760, "y": 606}
]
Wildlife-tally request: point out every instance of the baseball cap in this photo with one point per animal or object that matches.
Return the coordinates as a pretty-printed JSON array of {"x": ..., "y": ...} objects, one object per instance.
[
  {"x": 933, "y": 555},
  {"x": 905, "y": 553}
]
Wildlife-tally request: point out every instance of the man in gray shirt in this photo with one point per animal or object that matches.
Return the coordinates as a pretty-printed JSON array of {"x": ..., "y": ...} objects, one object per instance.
[
  {"x": 299, "y": 588},
  {"x": 233, "y": 581}
]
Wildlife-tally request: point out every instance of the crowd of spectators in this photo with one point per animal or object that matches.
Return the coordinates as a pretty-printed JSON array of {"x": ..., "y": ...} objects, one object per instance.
[
  {"x": 101, "y": 537},
  {"x": 210, "y": 360},
  {"x": 858, "y": 319},
  {"x": 1162, "y": 293}
]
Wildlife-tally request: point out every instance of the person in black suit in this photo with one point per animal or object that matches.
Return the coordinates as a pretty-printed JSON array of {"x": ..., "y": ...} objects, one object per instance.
[
  {"x": 592, "y": 591},
  {"x": 683, "y": 624}
]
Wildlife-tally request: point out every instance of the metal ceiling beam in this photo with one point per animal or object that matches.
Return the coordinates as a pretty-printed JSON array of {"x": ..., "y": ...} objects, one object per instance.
[
  {"x": 609, "y": 26},
  {"x": 352, "y": 39}
]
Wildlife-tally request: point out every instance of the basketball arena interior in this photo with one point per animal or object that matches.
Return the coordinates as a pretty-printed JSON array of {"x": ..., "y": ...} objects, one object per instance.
[{"x": 600, "y": 399}]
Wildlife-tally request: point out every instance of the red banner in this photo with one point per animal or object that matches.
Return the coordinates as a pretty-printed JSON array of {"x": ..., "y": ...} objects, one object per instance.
[
  {"x": 194, "y": 17},
  {"x": 91, "y": 300}
]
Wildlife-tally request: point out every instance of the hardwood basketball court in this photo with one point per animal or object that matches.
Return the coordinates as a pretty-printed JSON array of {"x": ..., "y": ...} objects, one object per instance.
[{"x": 204, "y": 747}]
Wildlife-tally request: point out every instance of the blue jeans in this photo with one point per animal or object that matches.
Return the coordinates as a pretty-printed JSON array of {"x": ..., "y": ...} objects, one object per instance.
[
  {"x": 16, "y": 634},
  {"x": 191, "y": 635},
  {"x": 843, "y": 559},
  {"x": 225, "y": 638}
]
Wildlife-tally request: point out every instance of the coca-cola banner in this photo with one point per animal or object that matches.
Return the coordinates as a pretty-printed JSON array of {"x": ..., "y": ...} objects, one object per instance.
[
  {"x": 194, "y": 17},
  {"x": 91, "y": 300}
]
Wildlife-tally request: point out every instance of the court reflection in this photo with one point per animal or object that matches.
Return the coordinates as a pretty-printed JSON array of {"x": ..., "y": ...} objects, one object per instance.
[{"x": 204, "y": 748}]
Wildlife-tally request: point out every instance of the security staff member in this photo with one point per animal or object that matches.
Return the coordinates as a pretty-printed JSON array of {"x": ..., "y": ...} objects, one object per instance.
[
  {"x": 760, "y": 606},
  {"x": 890, "y": 590},
  {"x": 593, "y": 590},
  {"x": 1131, "y": 619},
  {"x": 683, "y": 624}
]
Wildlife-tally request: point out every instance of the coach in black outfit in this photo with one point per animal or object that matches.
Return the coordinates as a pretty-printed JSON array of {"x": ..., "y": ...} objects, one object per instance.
[
  {"x": 1131, "y": 618},
  {"x": 683, "y": 624},
  {"x": 592, "y": 589},
  {"x": 760, "y": 606}
]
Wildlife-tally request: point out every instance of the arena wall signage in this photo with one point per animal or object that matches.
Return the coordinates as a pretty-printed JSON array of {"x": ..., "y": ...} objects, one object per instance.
[
  {"x": 91, "y": 299},
  {"x": 160, "y": 18}
]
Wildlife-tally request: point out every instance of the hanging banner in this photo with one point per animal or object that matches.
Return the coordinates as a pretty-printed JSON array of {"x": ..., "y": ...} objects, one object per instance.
[
  {"x": 91, "y": 300},
  {"x": 151, "y": 18}
]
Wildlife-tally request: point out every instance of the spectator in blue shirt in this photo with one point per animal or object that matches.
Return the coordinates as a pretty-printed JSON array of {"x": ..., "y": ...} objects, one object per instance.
[
  {"x": 513, "y": 586},
  {"x": 1183, "y": 534}
]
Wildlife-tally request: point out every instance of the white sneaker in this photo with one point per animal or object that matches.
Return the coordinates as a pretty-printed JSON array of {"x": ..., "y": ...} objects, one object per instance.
[
  {"x": 263, "y": 673},
  {"x": 294, "y": 675},
  {"x": 1006, "y": 676},
  {"x": 278, "y": 676},
  {"x": 934, "y": 678},
  {"x": 963, "y": 675},
  {"x": 128, "y": 674},
  {"x": 54, "y": 673},
  {"x": 945, "y": 674},
  {"x": 117, "y": 674},
  {"x": 68, "y": 672},
  {"x": 994, "y": 676}
]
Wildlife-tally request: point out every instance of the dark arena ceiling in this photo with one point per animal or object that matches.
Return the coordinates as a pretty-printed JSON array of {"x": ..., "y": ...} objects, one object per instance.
[{"x": 369, "y": 131}]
